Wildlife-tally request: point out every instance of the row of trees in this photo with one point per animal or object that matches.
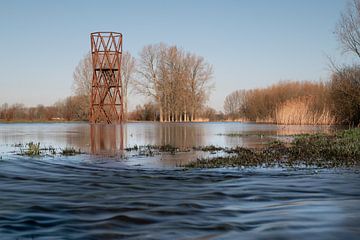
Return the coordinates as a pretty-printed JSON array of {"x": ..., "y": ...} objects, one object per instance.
[
  {"x": 177, "y": 81},
  {"x": 69, "y": 109},
  {"x": 149, "y": 112}
]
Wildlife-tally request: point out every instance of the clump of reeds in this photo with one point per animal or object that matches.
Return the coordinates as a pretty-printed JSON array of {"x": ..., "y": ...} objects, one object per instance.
[
  {"x": 33, "y": 149},
  {"x": 70, "y": 151},
  {"x": 302, "y": 111}
]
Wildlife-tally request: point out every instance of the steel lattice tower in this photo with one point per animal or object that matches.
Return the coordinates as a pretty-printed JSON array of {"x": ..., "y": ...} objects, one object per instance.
[{"x": 106, "y": 103}]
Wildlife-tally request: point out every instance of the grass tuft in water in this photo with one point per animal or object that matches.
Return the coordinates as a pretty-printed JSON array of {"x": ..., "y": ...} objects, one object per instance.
[
  {"x": 70, "y": 151},
  {"x": 151, "y": 150},
  {"x": 33, "y": 149},
  {"x": 210, "y": 148}
]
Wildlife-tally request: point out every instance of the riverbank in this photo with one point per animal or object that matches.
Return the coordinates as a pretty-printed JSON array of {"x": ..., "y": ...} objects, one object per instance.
[
  {"x": 258, "y": 121},
  {"x": 38, "y": 121},
  {"x": 340, "y": 149}
]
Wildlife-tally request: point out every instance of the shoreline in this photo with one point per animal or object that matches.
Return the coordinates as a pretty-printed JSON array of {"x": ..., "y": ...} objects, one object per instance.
[
  {"x": 324, "y": 150},
  {"x": 340, "y": 149},
  {"x": 134, "y": 121}
]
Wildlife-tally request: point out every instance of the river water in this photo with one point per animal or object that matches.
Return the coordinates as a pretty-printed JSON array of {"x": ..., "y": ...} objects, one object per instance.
[{"x": 104, "y": 195}]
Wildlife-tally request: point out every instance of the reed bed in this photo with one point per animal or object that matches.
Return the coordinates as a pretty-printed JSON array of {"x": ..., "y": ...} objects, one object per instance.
[{"x": 301, "y": 111}]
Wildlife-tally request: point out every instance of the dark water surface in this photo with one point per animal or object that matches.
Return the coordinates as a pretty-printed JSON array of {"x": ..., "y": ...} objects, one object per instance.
[{"x": 106, "y": 197}]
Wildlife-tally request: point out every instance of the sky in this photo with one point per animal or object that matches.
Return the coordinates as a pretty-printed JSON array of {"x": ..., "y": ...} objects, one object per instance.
[{"x": 249, "y": 43}]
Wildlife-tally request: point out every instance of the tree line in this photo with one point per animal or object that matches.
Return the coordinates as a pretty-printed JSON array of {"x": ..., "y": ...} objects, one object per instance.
[
  {"x": 177, "y": 84},
  {"x": 69, "y": 109}
]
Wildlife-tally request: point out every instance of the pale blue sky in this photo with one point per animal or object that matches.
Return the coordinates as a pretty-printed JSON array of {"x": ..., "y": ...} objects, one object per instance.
[{"x": 250, "y": 43}]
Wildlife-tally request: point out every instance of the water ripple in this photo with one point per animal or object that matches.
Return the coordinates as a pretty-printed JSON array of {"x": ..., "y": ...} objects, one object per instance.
[{"x": 48, "y": 199}]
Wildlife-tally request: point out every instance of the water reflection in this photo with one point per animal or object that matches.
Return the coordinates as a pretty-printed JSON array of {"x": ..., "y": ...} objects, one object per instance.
[
  {"x": 112, "y": 139},
  {"x": 107, "y": 139},
  {"x": 180, "y": 135}
]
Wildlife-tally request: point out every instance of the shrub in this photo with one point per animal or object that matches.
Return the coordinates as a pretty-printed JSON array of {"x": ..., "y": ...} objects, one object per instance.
[{"x": 345, "y": 94}]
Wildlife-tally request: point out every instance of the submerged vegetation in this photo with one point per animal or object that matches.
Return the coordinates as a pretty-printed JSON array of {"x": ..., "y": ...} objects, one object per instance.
[
  {"x": 335, "y": 149},
  {"x": 340, "y": 149},
  {"x": 151, "y": 150},
  {"x": 35, "y": 150},
  {"x": 70, "y": 151}
]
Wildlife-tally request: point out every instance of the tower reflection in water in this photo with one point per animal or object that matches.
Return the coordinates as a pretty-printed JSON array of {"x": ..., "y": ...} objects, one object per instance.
[{"x": 107, "y": 139}]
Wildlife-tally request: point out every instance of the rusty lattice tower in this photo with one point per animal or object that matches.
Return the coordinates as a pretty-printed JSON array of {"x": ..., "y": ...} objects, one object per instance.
[{"x": 106, "y": 103}]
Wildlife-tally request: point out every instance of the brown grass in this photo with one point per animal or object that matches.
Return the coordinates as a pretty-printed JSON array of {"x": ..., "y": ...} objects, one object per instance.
[{"x": 301, "y": 111}]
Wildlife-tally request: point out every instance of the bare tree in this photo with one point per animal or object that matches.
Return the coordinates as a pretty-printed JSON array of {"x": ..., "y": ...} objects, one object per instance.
[
  {"x": 348, "y": 28},
  {"x": 83, "y": 75},
  {"x": 127, "y": 73},
  {"x": 149, "y": 82},
  {"x": 199, "y": 74},
  {"x": 344, "y": 90},
  {"x": 172, "y": 76},
  {"x": 234, "y": 103}
]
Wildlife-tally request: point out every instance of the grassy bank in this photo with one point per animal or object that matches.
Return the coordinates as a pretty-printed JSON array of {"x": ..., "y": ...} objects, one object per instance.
[{"x": 340, "y": 149}]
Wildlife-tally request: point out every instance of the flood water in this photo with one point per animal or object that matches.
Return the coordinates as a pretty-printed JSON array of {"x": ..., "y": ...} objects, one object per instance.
[
  {"x": 105, "y": 194},
  {"x": 110, "y": 140}
]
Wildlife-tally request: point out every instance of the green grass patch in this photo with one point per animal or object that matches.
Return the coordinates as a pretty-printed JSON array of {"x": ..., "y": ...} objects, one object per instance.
[{"x": 341, "y": 149}]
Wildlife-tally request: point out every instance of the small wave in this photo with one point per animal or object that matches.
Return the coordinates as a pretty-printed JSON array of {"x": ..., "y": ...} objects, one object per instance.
[{"x": 44, "y": 199}]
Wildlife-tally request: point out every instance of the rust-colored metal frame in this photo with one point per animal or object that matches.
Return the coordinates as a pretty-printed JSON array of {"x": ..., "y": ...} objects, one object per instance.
[{"x": 106, "y": 103}]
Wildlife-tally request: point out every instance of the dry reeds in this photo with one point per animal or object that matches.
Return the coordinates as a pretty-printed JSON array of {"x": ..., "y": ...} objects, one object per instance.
[
  {"x": 288, "y": 102},
  {"x": 301, "y": 111}
]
